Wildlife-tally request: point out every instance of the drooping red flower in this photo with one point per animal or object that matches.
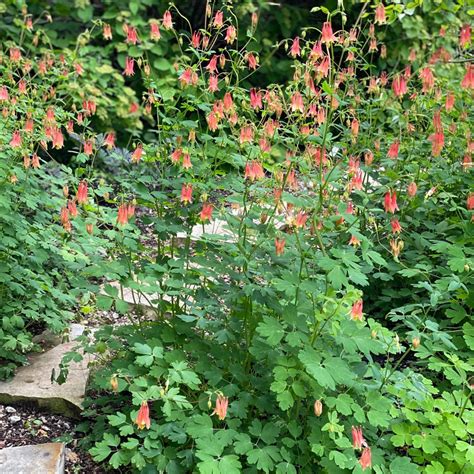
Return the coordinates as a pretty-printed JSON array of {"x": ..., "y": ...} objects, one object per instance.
[
  {"x": 122, "y": 214},
  {"x": 396, "y": 227},
  {"x": 437, "y": 143},
  {"x": 132, "y": 37},
  {"x": 358, "y": 441},
  {"x": 88, "y": 147},
  {"x": 186, "y": 193},
  {"x": 187, "y": 161},
  {"x": 82, "y": 191},
  {"x": 212, "y": 64},
  {"x": 230, "y": 34},
  {"x": 295, "y": 48},
  {"x": 380, "y": 17},
  {"x": 427, "y": 79},
  {"x": 228, "y": 102},
  {"x": 279, "y": 246},
  {"x": 327, "y": 35},
  {"x": 206, "y": 212},
  {"x": 365, "y": 460},
  {"x": 254, "y": 171},
  {"x": 188, "y": 77},
  {"x": 411, "y": 189},
  {"x": 4, "y": 96},
  {"x": 129, "y": 67},
  {"x": 143, "y": 416},
  {"x": 354, "y": 241},
  {"x": 16, "y": 141},
  {"x": 72, "y": 208},
  {"x": 399, "y": 86},
  {"x": 218, "y": 19},
  {"x": 357, "y": 315},
  {"x": 155, "y": 34},
  {"x": 167, "y": 20},
  {"x": 297, "y": 104},
  {"x": 470, "y": 202},
  {"x": 300, "y": 220},
  {"x": 109, "y": 140},
  {"x": 468, "y": 80},
  {"x": 465, "y": 36},
  {"x": 221, "y": 407},
  {"x": 450, "y": 100},
  {"x": 213, "y": 83},
  {"x": 107, "y": 32},
  {"x": 252, "y": 60},
  {"x": 246, "y": 134},
  {"x": 390, "y": 202},
  {"x": 137, "y": 153},
  {"x": 393, "y": 150},
  {"x": 35, "y": 161},
  {"x": 256, "y": 99},
  {"x": 196, "y": 39}
]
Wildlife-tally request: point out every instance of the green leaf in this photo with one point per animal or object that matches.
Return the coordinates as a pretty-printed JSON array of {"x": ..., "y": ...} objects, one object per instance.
[{"x": 271, "y": 329}]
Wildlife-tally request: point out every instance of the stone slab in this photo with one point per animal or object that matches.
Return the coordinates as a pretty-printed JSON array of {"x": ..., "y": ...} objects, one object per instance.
[
  {"x": 33, "y": 459},
  {"x": 32, "y": 383}
]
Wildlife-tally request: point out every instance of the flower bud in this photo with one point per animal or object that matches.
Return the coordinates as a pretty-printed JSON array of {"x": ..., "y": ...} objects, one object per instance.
[
  {"x": 114, "y": 383},
  {"x": 318, "y": 408},
  {"x": 415, "y": 342}
]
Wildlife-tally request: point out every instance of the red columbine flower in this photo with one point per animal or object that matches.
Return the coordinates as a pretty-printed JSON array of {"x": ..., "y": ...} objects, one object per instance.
[
  {"x": 107, "y": 32},
  {"x": 3, "y": 93},
  {"x": 196, "y": 39},
  {"x": 167, "y": 20},
  {"x": 393, "y": 150},
  {"x": 155, "y": 34},
  {"x": 449, "y": 104},
  {"x": 213, "y": 83},
  {"x": 188, "y": 77},
  {"x": 129, "y": 66},
  {"x": 246, "y": 134},
  {"x": 82, "y": 190},
  {"x": 437, "y": 143},
  {"x": 357, "y": 315},
  {"x": 399, "y": 86},
  {"x": 88, "y": 147},
  {"x": 65, "y": 219},
  {"x": 15, "y": 55},
  {"x": 301, "y": 219},
  {"x": 354, "y": 241},
  {"x": 143, "y": 417},
  {"x": 465, "y": 36},
  {"x": 15, "y": 142},
  {"x": 365, "y": 460},
  {"x": 230, "y": 34},
  {"x": 358, "y": 440},
  {"x": 295, "y": 48},
  {"x": 130, "y": 210},
  {"x": 186, "y": 193},
  {"x": 218, "y": 19},
  {"x": 256, "y": 99},
  {"x": 380, "y": 14},
  {"x": 470, "y": 202},
  {"x": 228, "y": 102},
  {"x": 411, "y": 189},
  {"x": 252, "y": 61},
  {"x": 390, "y": 202},
  {"x": 122, "y": 215},
  {"x": 396, "y": 227},
  {"x": 279, "y": 246},
  {"x": 72, "y": 208},
  {"x": 58, "y": 139},
  {"x": 316, "y": 51},
  {"x": 35, "y": 161},
  {"x": 427, "y": 79},
  {"x": 212, "y": 121},
  {"x": 327, "y": 35},
  {"x": 109, "y": 141},
  {"x": 297, "y": 103},
  {"x": 221, "y": 407},
  {"x": 137, "y": 154},
  {"x": 206, "y": 212},
  {"x": 187, "y": 161},
  {"x": 132, "y": 36},
  {"x": 468, "y": 80},
  {"x": 254, "y": 171}
]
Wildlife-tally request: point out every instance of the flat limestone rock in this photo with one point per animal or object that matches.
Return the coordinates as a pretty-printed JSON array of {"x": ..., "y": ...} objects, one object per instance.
[
  {"x": 32, "y": 383},
  {"x": 33, "y": 459}
]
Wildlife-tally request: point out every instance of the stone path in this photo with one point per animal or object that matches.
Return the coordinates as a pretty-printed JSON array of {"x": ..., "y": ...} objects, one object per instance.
[
  {"x": 38, "y": 459},
  {"x": 32, "y": 383}
]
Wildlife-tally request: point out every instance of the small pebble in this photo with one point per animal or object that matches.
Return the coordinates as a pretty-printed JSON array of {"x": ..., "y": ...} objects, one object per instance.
[
  {"x": 10, "y": 410},
  {"x": 14, "y": 419}
]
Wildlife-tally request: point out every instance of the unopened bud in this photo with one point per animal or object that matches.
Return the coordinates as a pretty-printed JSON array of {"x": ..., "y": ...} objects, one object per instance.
[
  {"x": 318, "y": 408},
  {"x": 114, "y": 383},
  {"x": 415, "y": 342}
]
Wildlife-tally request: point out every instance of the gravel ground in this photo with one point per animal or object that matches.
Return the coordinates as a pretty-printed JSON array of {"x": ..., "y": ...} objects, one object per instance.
[{"x": 22, "y": 425}]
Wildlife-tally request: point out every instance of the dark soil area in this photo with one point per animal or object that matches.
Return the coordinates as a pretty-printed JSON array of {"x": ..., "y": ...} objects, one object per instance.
[{"x": 22, "y": 425}]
